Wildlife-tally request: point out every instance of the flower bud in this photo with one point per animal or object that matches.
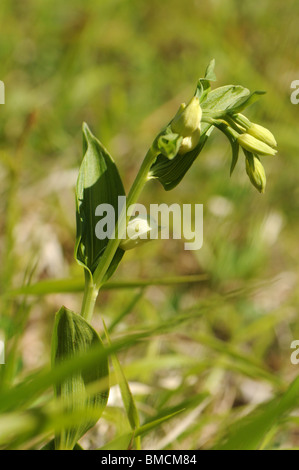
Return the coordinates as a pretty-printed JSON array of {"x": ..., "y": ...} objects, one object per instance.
[
  {"x": 250, "y": 143},
  {"x": 256, "y": 172},
  {"x": 140, "y": 229},
  {"x": 187, "y": 119},
  {"x": 242, "y": 122},
  {"x": 190, "y": 142},
  {"x": 263, "y": 134}
]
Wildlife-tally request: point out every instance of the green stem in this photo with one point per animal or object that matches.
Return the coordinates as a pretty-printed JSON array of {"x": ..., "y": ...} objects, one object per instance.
[
  {"x": 90, "y": 297},
  {"x": 93, "y": 283},
  {"x": 140, "y": 181},
  {"x": 238, "y": 128},
  {"x": 138, "y": 442}
]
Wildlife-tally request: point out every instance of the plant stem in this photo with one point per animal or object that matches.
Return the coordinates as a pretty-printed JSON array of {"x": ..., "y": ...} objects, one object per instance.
[
  {"x": 90, "y": 297},
  {"x": 93, "y": 283},
  {"x": 138, "y": 442},
  {"x": 134, "y": 193}
]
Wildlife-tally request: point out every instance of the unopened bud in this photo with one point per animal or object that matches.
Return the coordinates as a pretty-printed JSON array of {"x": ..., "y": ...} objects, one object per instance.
[
  {"x": 139, "y": 230},
  {"x": 250, "y": 143},
  {"x": 189, "y": 143},
  {"x": 263, "y": 134},
  {"x": 187, "y": 119},
  {"x": 256, "y": 172}
]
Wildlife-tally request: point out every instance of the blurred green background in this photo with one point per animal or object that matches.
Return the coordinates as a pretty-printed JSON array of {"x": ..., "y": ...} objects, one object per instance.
[{"x": 124, "y": 66}]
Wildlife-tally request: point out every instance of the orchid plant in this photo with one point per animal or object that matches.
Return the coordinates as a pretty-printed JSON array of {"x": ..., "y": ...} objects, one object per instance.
[{"x": 170, "y": 156}]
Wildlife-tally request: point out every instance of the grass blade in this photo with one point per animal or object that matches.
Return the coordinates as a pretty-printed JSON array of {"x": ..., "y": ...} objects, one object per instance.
[
  {"x": 248, "y": 432},
  {"x": 55, "y": 286},
  {"x": 127, "y": 397}
]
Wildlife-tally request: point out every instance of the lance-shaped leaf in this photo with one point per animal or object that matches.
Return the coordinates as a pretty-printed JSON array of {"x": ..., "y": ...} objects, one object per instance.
[
  {"x": 245, "y": 101},
  {"x": 223, "y": 127},
  {"x": 98, "y": 183},
  {"x": 74, "y": 336},
  {"x": 235, "y": 155},
  {"x": 126, "y": 394},
  {"x": 203, "y": 86},
  {"x": 223, "y": 98},
  {"x": 171, "y": 171}
]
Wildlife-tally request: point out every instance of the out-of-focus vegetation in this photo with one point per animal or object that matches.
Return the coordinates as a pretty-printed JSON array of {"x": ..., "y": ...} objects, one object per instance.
[{"x": 219, "y": 347}]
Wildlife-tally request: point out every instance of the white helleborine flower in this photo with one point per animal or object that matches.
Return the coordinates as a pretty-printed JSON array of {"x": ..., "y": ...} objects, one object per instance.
[
  {"x": 263, "y": 134},
  {"x": 190, "y": 142},
  {"x": 254, "y": 145},
  {"x": 140, "y": 229},
  {"x": 256, "y": 173},
  {"x": 187, "y": 119}
]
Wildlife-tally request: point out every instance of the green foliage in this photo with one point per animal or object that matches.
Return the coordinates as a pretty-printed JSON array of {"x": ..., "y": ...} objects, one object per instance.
[
  {"x": 248, "y": 432},
  {"x": 73, "y": 336},
  {"x": 186, "y": 327},
  {"x": 98, "y": 183},
  {"x": 218, "y": 103},
  {"x": 127, "y": 397},
  {"x": 124, "y": 442},
  {"x": 170, "y": 172}
]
